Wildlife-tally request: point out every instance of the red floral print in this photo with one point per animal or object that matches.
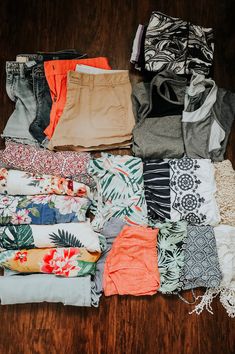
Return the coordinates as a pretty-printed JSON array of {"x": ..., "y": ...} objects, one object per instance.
[
  {"x": 21, "y": 256},
  {"x": 61, "y": 261}
]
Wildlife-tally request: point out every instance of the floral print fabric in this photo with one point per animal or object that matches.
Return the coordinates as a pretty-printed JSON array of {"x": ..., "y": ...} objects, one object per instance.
[
  {"x": 193, "y": 187},
  {"x": 25, "y": 183},
  {"x": 66, "y": 262},
  {"x": 171, "y": 248},
  {"x": 37, "y": 160},
  {"x": 44, "y": 236},
  {"x": 42, "y": 209},
  {"x": 120, "y": 189}
]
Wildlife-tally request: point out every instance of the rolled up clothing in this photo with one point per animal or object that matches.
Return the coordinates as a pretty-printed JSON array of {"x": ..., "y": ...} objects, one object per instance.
[
  {"x": 22, "y": 289},
  {"x": 42, "y": 209},
  {"x": 37, "y": 160},
  {"x": 45, "y": 236},
  {"x": 65, "y": 262},
  {"x": 15, "y": 182}
]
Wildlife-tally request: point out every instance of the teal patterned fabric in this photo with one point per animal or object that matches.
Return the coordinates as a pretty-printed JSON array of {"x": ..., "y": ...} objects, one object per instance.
[{"x": 171, "y": 251}]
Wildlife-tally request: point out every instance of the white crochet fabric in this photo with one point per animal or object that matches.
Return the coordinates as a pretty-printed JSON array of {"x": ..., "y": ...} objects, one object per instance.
[
  {"x": 225, "y": 242},
  {"x": 225, "y": 194}
]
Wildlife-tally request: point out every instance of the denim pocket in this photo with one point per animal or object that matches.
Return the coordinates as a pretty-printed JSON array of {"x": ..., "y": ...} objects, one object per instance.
[{"x": 10, "y": 86}]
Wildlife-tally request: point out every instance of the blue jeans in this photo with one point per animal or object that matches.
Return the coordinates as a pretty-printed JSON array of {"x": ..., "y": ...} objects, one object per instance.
[{"x": 26, "y": 85}]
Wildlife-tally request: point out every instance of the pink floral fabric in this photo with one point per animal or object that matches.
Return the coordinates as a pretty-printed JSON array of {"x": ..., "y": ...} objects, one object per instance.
[{"x": 37, "y": 160}]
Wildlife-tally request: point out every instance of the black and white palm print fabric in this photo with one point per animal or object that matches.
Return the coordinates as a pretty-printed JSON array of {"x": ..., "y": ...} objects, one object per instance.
[
  {"x": 177, "y": 45},
  {"x": 157, "y": 189}
]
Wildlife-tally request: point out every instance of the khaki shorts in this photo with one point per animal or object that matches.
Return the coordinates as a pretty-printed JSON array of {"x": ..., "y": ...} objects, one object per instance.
[{"x": 98, "y": 111}]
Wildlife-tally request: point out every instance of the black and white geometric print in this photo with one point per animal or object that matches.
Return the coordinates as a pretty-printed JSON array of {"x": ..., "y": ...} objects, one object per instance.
[
  {"x": 157, "y": 189},
  {"x": 177, "y": 45},
  {"x": 192, "y": 186},
  {"x": 201, "y": 264}
]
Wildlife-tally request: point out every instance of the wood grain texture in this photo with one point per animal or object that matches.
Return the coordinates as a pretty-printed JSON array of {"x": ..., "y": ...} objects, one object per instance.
[{"x": 121, "y": 325}]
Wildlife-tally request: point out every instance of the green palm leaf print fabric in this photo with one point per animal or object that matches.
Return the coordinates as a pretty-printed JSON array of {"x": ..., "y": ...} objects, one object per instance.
[
  {"x": 120, "y": 189},
  {"x": 171, "y": 253}
]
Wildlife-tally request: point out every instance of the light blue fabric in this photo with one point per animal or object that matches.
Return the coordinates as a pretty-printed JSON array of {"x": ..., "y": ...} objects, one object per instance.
[{"x": 22, "y": 289}]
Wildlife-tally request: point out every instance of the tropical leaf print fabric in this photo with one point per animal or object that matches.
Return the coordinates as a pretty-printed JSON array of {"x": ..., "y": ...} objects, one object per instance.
[
  {"x": 193, "y": 187},
  {"x": 65, "y": 262},
  {"x": 68, "y": 164},
  {"x": 171, "y": 249},
  {"x": 25, "y": 183},
  {"x": 42, "y": 209},
  {"x": 120, "y": 189},
  {"x": 44, "y": 236}
]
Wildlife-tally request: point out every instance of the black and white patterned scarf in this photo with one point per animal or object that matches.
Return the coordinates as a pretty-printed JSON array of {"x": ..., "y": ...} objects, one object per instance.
[{"x": 177, "y": 45}]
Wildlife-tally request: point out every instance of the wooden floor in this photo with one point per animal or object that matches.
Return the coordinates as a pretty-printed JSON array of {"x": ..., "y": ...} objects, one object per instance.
[{"x": 125, "y": 325}]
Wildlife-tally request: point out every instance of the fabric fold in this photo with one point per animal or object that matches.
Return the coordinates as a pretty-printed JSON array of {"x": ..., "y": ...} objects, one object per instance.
[
  {"x": 64, "y": 262},
  {"x": 42, "y": 209},
  {"x": 22, "y": 289},
  {"x": 131, "y": 267},
  {"x": 14, "y": 182},
  {"x": 225, "y": 242},
  {"x": 44, "y": 236},
  {"x": 68, "y": 164}
]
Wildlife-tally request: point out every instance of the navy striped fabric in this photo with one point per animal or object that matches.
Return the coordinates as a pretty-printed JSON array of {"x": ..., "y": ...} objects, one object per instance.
[{"x": 157, "y": 189}]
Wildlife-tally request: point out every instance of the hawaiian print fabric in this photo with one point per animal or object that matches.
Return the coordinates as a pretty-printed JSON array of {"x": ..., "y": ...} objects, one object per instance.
[
  {"x": 26, "y": 183},
  {"x": 66, "y": 262},
  {"x": 68, "y": 164},
  {"x": 42, "y": 209},
  {"x": 171, "y": 249},
  {"x": 120, "y": 189},
  {"x": 157, "y": 189},
  {"x": 193, "y": 188},
  {"x": 44, "y": 236},
  {"x": 201, "y": 263},
  {"x": 177, "y": 45},
  {"x": 131, "y": 267}
]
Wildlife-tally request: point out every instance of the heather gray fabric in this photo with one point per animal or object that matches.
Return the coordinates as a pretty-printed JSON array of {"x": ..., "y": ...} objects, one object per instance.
[
  {"x": 110, "y": 230},
  {"x": 158, "y": 110},
  {"x": 22, "y": 289},
  {"x": 224, "y": 112},
  {"x": 207, "y": 119}
]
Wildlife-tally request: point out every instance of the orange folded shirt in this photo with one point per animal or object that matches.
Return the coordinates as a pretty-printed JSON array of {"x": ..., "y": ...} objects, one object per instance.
[
  {"x": 56, "y": 75},
  {"x": 131, "y": 267}
]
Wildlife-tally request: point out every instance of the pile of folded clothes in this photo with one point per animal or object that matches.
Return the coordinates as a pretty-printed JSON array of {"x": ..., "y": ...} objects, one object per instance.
[{"x": 162, "y": 219}]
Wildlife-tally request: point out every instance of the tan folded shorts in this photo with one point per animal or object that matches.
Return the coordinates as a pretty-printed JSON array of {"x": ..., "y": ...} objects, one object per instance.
[{"x": 98, "y": 112}]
